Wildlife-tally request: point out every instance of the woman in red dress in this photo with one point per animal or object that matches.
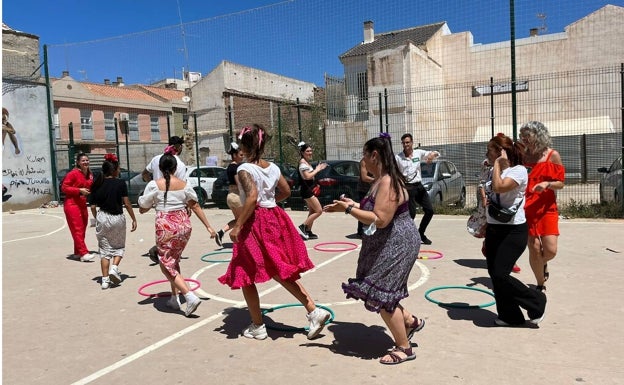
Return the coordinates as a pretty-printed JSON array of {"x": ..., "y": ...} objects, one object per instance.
[
  {"x": 76, "y": 186},
  {"x": 546, "y": 174}
]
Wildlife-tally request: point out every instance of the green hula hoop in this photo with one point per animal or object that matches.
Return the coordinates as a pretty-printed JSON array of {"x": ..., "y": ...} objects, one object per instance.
[
  {"x": 203, "y": 257},
  {"x": 459, "y": 305},
  {"x": 292, "y": 328}
]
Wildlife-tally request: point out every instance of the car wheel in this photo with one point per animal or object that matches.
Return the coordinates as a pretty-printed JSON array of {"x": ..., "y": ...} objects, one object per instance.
[
  {"x": 462, "y": 199},
  {"x": 437, "y": 200}
]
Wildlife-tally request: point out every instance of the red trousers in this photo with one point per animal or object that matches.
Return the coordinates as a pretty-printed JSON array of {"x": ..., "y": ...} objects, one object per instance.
[{"x": 77, "y": 219}]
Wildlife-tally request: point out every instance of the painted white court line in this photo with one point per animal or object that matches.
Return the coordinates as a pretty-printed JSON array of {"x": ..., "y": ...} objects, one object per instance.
[
  {"x": 38, "y": 236},
  {"x": 239, "y": 304}
]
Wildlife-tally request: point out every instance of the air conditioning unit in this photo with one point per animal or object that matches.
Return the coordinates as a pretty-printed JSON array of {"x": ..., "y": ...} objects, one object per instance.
[{"x": 124, "y": 116}]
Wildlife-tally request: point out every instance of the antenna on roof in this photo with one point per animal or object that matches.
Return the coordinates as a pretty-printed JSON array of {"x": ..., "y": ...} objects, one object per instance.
[
  {"x": 186, "y": 59},
  {"x": 542, "y": 17}
]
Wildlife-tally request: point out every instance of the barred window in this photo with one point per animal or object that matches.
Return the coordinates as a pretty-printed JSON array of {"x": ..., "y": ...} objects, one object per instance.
[
  {"x": 86, "y": 125},
  {"x": 133, "y": 127},
  {"x": 109, "y": 125},
  {"x": 155, "y": 128}
]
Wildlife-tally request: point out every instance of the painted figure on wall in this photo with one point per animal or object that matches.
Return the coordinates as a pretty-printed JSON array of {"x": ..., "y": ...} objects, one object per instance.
[{"x": 7, "y": 129}]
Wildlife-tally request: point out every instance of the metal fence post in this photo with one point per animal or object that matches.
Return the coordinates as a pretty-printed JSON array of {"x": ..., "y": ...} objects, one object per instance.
[
  {"x": 492, "y": 103},
  {"x": 386, "y": 112},
  {"x": 380, "y": 115}
]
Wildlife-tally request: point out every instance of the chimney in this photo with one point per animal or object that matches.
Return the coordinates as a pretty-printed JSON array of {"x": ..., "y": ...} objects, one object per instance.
[
  {"x": 369, "y": 33},
  {"x": 119, "y": 81},
  {"x": 533, "y": 32},
  {"x": 65, "y": 73},
  {"x": 107, "y": 82}
]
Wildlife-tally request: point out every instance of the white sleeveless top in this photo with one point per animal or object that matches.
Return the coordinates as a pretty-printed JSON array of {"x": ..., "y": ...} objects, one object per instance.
[{"x": 265, "y": 179}]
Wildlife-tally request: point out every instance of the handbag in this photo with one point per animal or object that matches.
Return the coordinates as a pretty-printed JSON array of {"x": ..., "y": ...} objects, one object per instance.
[
  {"x": 477, "y": 223},
  {"x": 316, "y": 190},
  {"x": 502, "y": 214}
]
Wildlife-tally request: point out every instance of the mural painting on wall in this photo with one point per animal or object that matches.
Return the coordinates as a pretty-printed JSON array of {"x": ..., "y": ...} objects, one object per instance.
[{"x": 26, "y": 163}]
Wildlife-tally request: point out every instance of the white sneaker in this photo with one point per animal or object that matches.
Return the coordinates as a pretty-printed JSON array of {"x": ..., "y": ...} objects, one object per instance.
[
  {"x": 317, "y": 318},
  {"x": 105, "y": 283},
  {"x": 87, "y": 257},
  {"x": 257, "y": 332},
  {"x": 173, "y": 302},
  {"x": 113, "y": 273},
  {"x": 191, "y": 305}
]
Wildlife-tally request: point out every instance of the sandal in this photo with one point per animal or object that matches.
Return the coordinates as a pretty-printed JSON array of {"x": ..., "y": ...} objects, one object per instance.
[
  {"x": 546, "y": 273},
  {"x": 414, "y": 327},
  {"x": 397, "y": 359}
]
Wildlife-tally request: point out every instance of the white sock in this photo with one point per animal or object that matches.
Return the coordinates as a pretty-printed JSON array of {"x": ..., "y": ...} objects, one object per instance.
[{"x": 190, "y": 296}]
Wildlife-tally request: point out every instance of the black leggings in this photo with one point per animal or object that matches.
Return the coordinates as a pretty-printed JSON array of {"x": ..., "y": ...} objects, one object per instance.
[
  {"x": 419, "y": 195},
  {"x": 504, "y": 244}
]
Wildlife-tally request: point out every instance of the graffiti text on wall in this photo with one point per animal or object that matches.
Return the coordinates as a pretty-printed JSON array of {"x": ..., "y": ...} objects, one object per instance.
[{"x": 32, "y": 177}]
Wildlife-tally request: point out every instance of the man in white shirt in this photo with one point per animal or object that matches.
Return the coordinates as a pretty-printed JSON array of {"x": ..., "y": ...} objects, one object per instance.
[
  {"x": 152, "y": 170},
  {"x": 409, "y": 164}
]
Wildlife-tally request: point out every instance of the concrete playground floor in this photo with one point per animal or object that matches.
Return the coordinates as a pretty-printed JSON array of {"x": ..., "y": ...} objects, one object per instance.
[{"x": 59, "y": 327}]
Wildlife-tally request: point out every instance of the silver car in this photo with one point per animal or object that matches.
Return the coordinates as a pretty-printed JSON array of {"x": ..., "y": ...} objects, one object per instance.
[
  {"x": 611, "y": 182},
  {"x": 444, "y": 183}
]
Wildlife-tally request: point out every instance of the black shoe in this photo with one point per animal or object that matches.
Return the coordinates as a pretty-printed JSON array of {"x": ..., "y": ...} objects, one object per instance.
[
  {"x": 311, "y": 235},
  {"x": 219, "y": 238},
  {"x": 425, "y": 240},
  {"x": 302, "y": 231},
  {"x": 153, "y": 254}
]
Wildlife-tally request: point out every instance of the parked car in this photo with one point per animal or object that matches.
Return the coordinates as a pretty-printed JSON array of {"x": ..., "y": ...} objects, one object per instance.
[
  {"x": 136, "y": 188},
  {"x": 207, "y": 175},
  {"x": 340, "y": 177},
  {"x": 60, "y": 175},
  {"x": 443, "y": 182},
  {"x": 220, "y": 187},
  {"x": 611, "y": 182}
]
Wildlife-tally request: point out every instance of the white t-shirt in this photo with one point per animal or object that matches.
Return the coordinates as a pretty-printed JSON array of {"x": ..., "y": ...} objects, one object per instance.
[
  {"x": 266, "y": 181},
  {"x": 153, "y": 167},
  {"x": 176, "y": 200},
  {"x": 410, "y": 167},
  {"x": 510, "y": 198}
]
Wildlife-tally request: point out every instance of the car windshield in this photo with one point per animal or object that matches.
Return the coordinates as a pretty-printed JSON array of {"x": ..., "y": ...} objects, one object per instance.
[{"x": 427, "y": 170}]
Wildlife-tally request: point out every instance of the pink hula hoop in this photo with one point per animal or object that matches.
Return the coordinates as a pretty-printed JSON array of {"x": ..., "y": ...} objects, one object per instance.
[
  {"x": 319, "y": 246},
  {"x": 168, "y": 294},
  {"x": 436, "y": 254}
]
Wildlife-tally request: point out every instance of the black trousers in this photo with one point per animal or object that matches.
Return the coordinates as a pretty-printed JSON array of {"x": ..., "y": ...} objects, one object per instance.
[
  {"x": 504, "y": 244},
  {"x": 418, "y": 195}
]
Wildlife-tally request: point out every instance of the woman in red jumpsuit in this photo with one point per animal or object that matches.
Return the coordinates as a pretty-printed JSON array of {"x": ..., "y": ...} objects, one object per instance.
[
  {"x": 546, "y": 174},
  {"x": 76, "y": 186}
]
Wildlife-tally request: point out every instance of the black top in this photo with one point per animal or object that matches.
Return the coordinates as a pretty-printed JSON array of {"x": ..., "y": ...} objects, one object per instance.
[
  {"x": 108, "y": 197},
  {"x": 231, "y": 172}
]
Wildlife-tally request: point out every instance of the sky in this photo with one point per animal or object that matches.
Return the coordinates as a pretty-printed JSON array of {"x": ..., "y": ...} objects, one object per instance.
[{"x": 147, "y": 40}]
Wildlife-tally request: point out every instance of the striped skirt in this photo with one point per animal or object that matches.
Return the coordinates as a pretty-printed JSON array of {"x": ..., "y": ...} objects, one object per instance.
[{"x": 110, "y": 231}]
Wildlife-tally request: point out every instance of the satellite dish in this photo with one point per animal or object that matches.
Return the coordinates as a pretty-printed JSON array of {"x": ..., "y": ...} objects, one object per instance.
[{"x": 186, "y": 99}]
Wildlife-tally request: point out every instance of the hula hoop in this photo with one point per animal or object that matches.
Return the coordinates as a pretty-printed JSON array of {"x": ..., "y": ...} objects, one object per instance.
[
  {"x": 351, "y": 246},
  {"x": 458, "y": 305},
  {"x": 167, "y": 294},
  {"x": 436, "y": 254},
  {"x": 215, "y": 253},
  {"x": 292, "y": 328}
]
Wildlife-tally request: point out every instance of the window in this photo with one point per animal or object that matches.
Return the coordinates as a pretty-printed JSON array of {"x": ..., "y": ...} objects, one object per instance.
[
  {"x": 109, "y": 125},
  {"x": 155, "y": 128},
  {"x": 133, "y": 127},
  {"x": 362, "y": 92},
  {"x": 86, "y": 125},
  {"x": 56, "y": 121}
]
